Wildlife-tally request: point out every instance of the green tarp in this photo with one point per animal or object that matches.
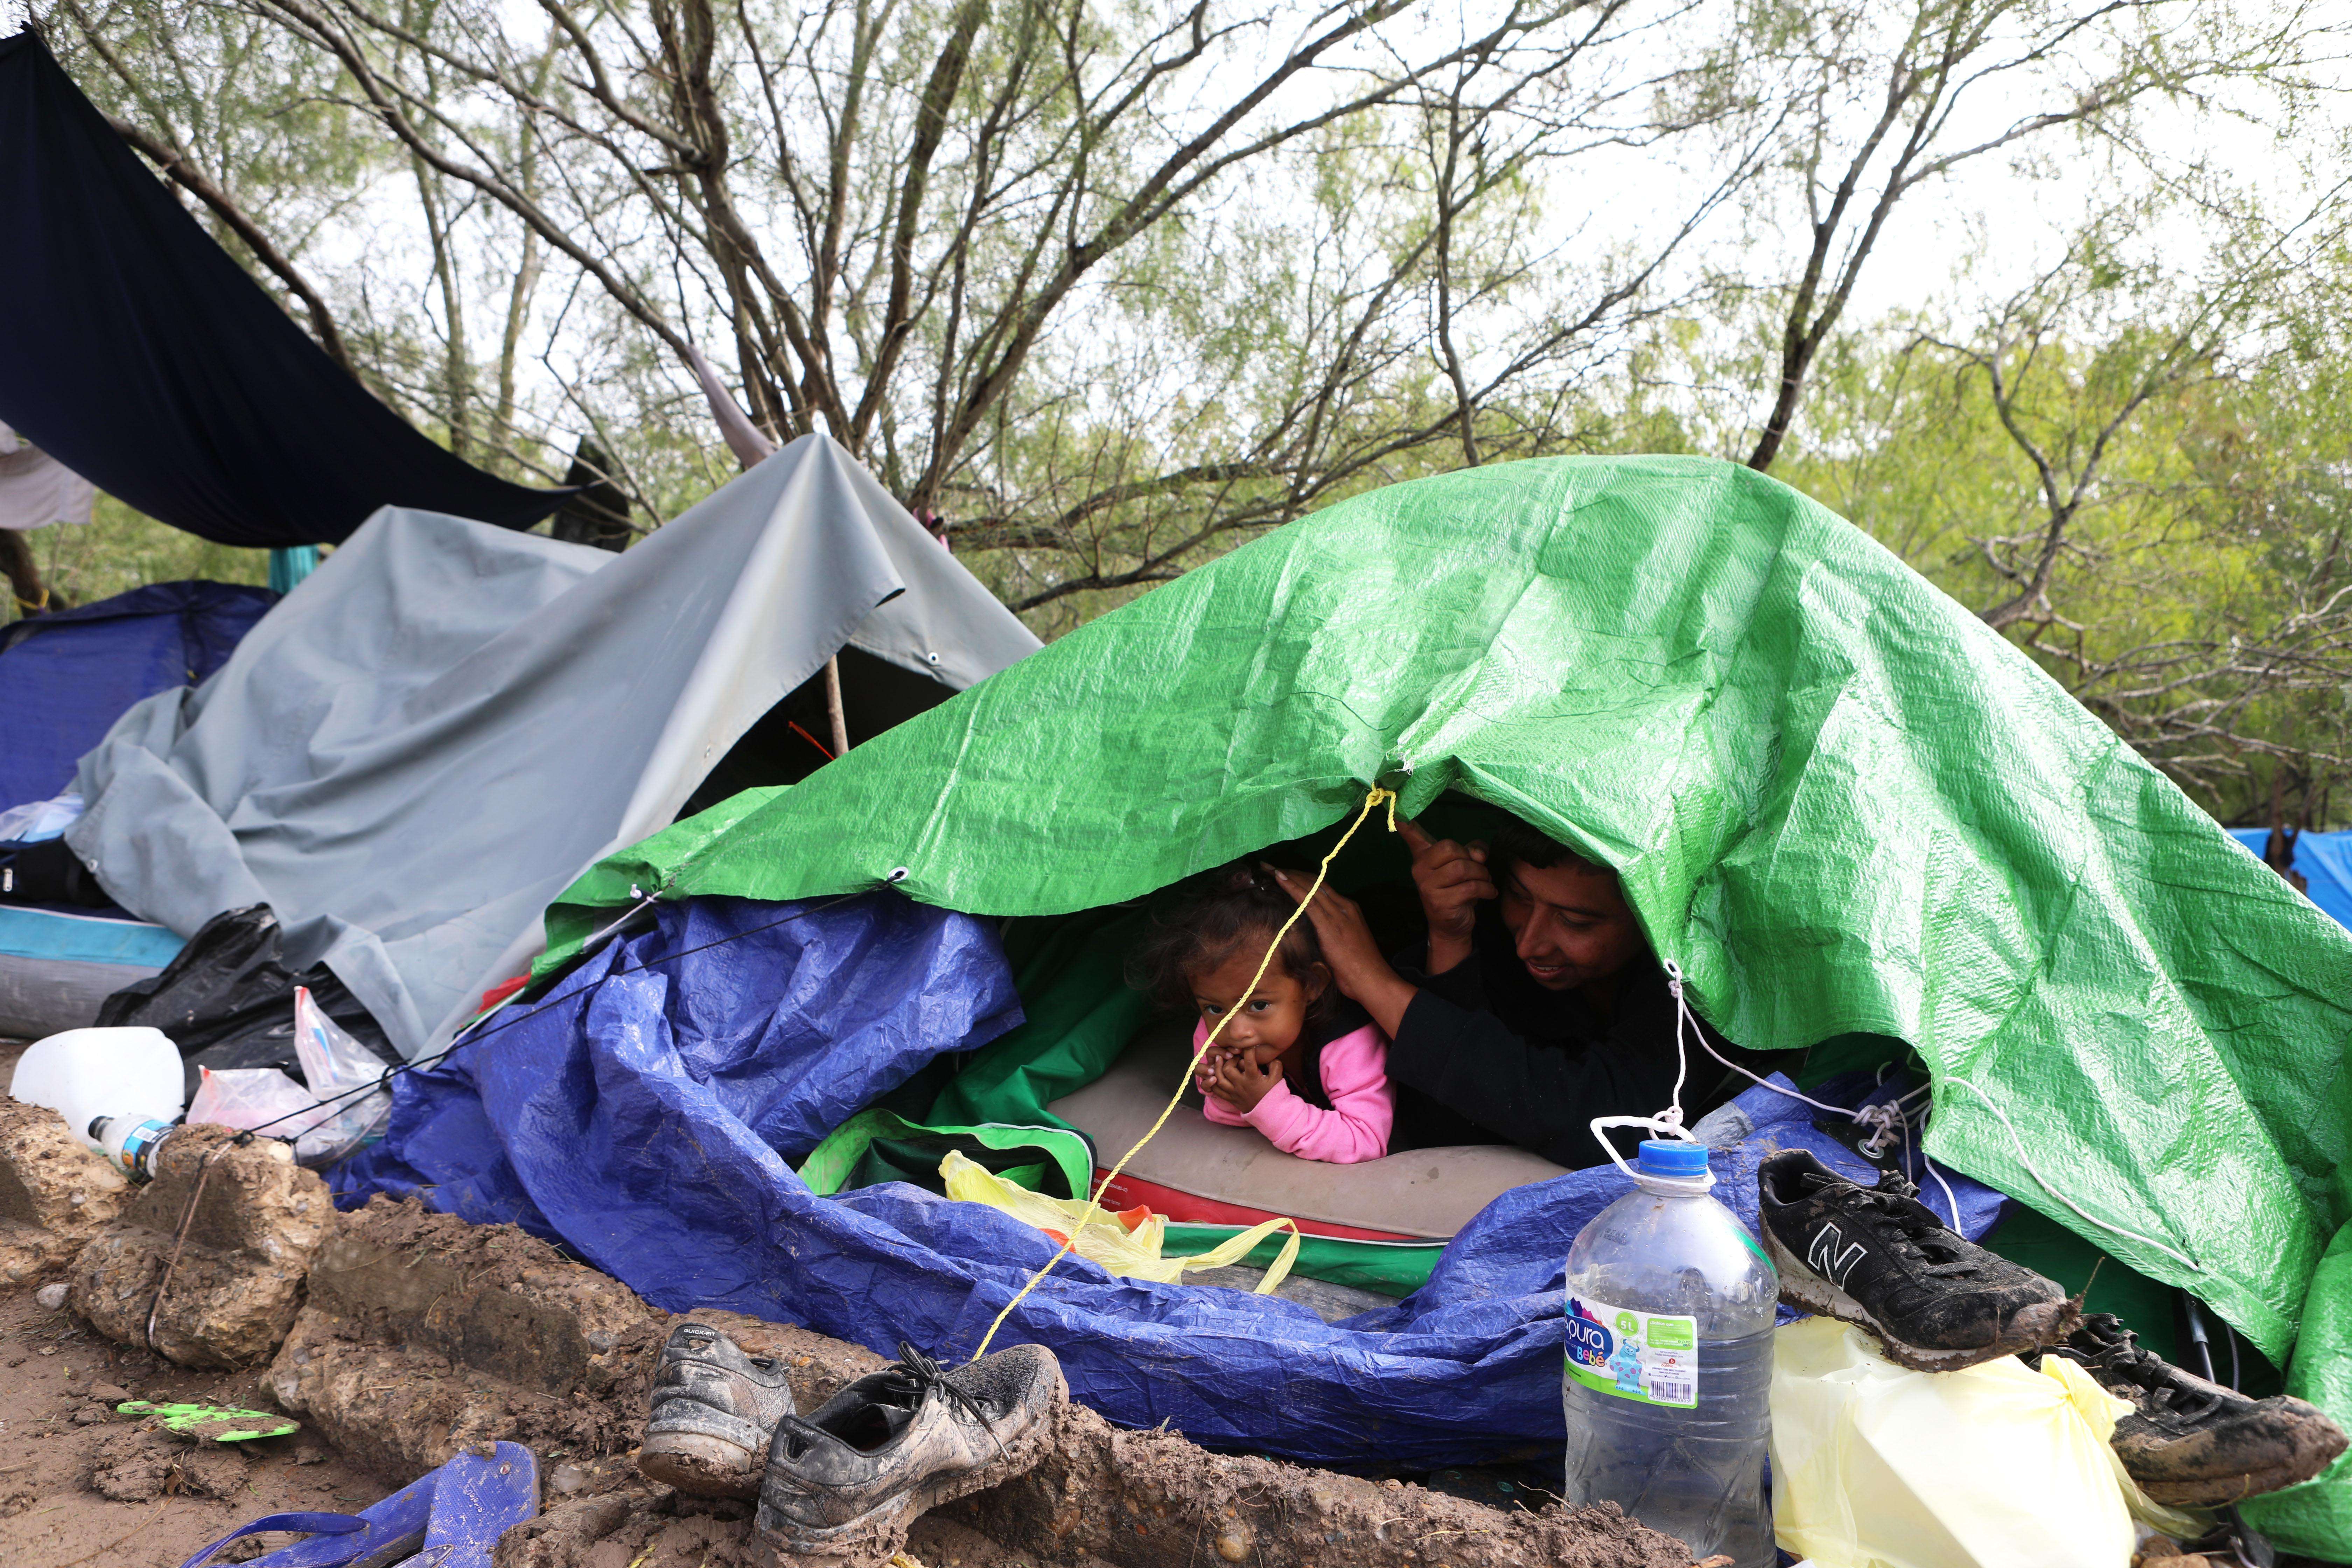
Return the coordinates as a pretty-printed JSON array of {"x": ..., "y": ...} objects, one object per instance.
[{"x": 1841, "y": 803}]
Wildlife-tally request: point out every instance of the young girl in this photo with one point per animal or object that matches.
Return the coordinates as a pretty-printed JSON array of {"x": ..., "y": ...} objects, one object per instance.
[{"x": 1296, "y": 1060}]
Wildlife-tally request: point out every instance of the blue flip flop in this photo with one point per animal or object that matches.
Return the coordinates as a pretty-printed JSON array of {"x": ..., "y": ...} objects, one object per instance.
[
  {"x": 484, "y": 1492},
  {"x": 448, "y": 1518}
]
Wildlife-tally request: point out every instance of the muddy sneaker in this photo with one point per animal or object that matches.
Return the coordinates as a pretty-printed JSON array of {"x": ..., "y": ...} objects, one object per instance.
[
  {"x": 843, "y": 1484},
  {"x": 1878, "y": 1258},
  {"x": 2195, "y": 1444},
  {"x": 714, "y": 1409}
]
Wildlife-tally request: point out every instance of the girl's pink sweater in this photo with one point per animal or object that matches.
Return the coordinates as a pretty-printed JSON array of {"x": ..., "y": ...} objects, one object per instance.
[{"x": 1355, "y": 1071}]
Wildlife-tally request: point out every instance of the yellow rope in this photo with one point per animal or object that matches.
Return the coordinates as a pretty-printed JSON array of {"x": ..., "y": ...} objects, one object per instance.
[{"x": 1373, "y": 799}]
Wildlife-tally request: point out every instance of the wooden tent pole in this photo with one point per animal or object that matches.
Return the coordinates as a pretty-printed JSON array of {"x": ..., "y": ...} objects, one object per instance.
[{"x": 832, "y": 706}]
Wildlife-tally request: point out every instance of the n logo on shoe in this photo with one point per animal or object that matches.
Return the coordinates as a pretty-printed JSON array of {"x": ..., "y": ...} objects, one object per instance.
[{"x": 1825, "y": 1257}]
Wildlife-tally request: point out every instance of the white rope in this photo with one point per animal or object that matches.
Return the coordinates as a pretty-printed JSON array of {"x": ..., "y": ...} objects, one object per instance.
[
  {"x": 2022, "y": 1159},
  {"x": 1882, "y": 1125}
]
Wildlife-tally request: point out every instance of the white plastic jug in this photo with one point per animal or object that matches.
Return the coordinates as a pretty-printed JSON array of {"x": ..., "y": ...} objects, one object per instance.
[{"x": 84, "y": 1074}]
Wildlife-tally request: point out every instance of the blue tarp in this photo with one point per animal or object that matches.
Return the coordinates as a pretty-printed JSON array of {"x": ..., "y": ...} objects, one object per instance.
[
  {"x": 66, "y": 677},
  {"x": 2326, "y": 861},
  {"x": 648, "y": 1112}
]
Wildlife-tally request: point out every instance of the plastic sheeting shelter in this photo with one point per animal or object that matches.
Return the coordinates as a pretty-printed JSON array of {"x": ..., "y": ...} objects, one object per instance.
[
  {"x": 2325, "y": 861},
  {"x": 435, "y": 732},
  {"x": 648, "y": 1112},
  {"x": 143, "y": 357},
  {"x": 1838, "y": 800},
  {"x": 67, "y": 676}
]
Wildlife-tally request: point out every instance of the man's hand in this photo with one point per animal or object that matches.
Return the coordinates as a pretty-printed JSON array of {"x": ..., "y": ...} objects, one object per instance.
[
  {"x": 1452, "y": 879},
  {"x": 1358, "y": 965},
  {"x": 1239, "y": 1083}
]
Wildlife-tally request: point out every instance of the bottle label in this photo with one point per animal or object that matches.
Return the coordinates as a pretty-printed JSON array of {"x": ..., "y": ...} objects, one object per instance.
[{"x": 1651, "y": 1358}]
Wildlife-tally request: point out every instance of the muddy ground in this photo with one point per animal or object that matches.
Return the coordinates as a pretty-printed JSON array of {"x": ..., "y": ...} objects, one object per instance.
[
  {"x": 411, "y": 1334},
  {"x": 80, "y": 1485}
]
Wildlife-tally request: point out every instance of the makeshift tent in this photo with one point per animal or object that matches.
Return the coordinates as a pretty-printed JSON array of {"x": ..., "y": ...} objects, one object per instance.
[
  {"x": 66, "y": 677},
  {"x": 1841, "y": 803},
  {"x": 437, "y": 731},
  {"x": 141, "y": 356},
  {"x": 648, "y": 1113}
]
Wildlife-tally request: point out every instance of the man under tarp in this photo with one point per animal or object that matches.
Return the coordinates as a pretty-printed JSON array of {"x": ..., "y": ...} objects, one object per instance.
[{"x": 1535, "y": 1006}]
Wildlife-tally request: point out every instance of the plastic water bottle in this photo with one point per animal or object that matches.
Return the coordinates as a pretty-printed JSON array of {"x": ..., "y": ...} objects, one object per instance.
[
  {"x": 1670, "y": 1308},
  {"x": 131, "y": 1142}
]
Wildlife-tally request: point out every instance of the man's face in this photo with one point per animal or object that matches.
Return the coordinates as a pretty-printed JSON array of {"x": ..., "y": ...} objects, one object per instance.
[{"x": 1571, "y": 923}]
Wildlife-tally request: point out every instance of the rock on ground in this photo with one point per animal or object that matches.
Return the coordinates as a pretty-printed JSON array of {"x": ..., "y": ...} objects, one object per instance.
[
  {"x": 55, "y": 1193},
  {"x": 233, "y": 1292}
]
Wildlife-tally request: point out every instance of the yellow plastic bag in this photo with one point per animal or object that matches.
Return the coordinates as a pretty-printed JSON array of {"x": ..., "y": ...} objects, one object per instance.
[
  {"x": 1995, "y": 1466},
  {"x": 1127, "y": 1242}
]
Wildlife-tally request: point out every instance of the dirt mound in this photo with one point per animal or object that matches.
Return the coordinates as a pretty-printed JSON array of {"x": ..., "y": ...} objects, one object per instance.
[
  {"x": 55, "y": 1192},
  {"x": 258, "y": 1217}
]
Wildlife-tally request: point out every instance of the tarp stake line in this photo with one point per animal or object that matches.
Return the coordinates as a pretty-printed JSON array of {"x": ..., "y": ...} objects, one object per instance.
[
  {"x": 1673, "y": 1114},
  {"x": 1372, "y": 798}
]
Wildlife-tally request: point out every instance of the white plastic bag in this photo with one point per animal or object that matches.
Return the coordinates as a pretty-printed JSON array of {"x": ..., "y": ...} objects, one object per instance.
[
  {"x": 40, "y": 820},
  {"x": 263, "y": 1098},
  {"x": 1877, "y": 1466},
  {"x": 244, "y": 1098}
]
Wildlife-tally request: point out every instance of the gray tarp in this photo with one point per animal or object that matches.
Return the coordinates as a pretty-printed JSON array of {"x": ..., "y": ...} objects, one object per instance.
[{"x": 435, "y": 733}]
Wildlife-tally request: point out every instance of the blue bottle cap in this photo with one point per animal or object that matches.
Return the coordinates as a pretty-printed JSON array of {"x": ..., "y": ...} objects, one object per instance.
[{"x": 1673, "y": 1157}]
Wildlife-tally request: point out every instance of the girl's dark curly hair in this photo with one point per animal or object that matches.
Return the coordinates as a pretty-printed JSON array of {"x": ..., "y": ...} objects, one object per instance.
[{"x": 1215, "y": 916}]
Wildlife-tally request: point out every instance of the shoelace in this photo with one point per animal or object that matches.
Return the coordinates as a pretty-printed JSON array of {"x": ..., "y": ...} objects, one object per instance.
[
  {"x": 917, "y": 1375},
  {"x": 1934, "y": 1242},
  {"x": 2123, "y": 1358}
]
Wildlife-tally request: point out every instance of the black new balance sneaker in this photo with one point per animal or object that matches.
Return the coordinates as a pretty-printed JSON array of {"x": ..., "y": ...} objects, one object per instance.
[
  {"x": 842, "y": 1485},
  {"x": 2195, "y": 1444},
  {"x": 1878, "y": 1258},
  {"x": 714, "y": 1409}
]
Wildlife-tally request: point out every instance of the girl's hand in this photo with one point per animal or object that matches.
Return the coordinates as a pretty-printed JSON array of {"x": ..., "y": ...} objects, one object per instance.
[
  {"x": 1239, "y": 1083},
  {"x": 1216, "y": 1057}
]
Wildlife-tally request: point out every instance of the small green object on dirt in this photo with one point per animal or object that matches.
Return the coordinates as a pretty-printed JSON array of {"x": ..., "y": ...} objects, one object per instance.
[{"x": 214, "y": 1422}]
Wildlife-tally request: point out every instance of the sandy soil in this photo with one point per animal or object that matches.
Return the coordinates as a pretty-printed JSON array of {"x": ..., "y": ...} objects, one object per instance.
[{"x": 80, "y": 1484}]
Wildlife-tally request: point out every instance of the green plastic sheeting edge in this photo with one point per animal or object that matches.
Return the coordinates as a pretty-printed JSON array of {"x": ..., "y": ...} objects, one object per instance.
[
  {"x": 1387, "y": 1267},
  {"x": 1839, "y": 800},
  {"x": 2315, "y": 1518},
  {"x": 832, "y": 1162}
]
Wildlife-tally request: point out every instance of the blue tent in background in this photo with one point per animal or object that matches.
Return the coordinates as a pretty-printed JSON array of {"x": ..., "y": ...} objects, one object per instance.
[
  {"x": 66, "y": 677},
  {"x": 2326, "y": 861}
]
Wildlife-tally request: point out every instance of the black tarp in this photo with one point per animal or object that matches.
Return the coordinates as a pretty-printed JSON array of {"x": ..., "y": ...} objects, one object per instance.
[
  {"x": 139, "y": 353},
  {"x": 227, "y": 1000}
]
